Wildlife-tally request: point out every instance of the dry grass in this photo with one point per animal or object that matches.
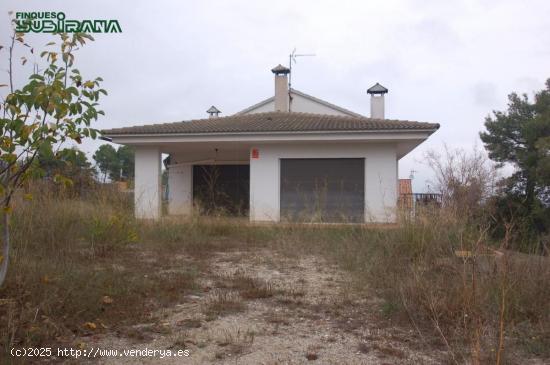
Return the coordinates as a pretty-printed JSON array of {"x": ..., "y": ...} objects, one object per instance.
[
  {"x": 425, "y": 286},
  {"x": 222, "y": 302},
  {"x": 248, "y": 286},
  {"x": 83, "y": 261},
  {"x": 277, "y": 318},
  {"x": 71, "y": 253},
  {"x": 233, "y": 343},
  {"x": 387, "y": 350}
]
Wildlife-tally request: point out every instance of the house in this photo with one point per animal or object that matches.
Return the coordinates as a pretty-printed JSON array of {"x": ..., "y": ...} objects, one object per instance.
[{"x": 289, "y": 157}]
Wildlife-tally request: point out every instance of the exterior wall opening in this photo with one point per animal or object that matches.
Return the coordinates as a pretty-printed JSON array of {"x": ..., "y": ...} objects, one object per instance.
[
  {"x": 323, "y": 190},
  {"x": 222, "y": 189}
]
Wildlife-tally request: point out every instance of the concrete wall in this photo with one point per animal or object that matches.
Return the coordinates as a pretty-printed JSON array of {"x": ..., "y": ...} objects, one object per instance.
[
  {"x": 180, "y": 194},
  {"x": 380, "y": 176},
  {"x": 304, "y": 105},
  {"x": 299, "y": 104},
  {"x": 147, "y": 192}
]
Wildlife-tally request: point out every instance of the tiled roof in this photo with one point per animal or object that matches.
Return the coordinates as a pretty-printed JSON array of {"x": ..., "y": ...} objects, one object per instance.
[{"x": 273, "y": 122}]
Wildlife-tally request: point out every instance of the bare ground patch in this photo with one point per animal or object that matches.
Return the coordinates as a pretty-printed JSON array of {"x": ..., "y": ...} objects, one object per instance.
[{"x": 263, "y": 307}]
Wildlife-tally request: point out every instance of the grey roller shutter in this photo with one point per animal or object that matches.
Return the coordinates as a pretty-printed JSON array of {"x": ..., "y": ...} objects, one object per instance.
[{"x": 324, "y": 189}]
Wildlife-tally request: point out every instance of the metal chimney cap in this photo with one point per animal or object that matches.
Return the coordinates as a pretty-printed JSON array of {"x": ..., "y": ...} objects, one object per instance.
[
  {"x": 377, "y": 89},
  {"x": 280, "y": 70},
  {"x": 213, "y": 110}
]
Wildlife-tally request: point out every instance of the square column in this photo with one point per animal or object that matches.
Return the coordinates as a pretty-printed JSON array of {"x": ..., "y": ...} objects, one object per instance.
[
  {"x": 147, "y": 190},
  {"x": 264, "y": 184},
  {"x": 180, "y": 189}
]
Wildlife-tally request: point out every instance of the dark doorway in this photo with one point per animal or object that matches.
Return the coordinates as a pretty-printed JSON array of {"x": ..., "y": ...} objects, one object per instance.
[
  {"x": 324, "y": 189},
  {"x": 222, "y": 189}
]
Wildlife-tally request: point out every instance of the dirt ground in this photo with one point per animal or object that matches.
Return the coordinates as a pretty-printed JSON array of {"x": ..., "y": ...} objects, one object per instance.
[{"x": 264, "y": 307}]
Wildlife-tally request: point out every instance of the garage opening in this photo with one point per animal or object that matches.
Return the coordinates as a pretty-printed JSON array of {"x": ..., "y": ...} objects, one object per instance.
[
  {"x": 323, "y": 189},
  {"x": 222, "y": 189}
]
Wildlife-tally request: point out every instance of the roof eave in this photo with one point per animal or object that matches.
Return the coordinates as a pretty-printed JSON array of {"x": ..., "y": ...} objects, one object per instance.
[{"x": 218, "y": 134}]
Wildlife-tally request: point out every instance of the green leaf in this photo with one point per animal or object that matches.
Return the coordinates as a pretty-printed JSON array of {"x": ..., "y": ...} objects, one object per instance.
[{"x": 36, "y": 77}]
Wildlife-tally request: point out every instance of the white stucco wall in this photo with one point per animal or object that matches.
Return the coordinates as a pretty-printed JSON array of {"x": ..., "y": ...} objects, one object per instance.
[
  {"x": 299, "y": 104},
  {"x": 380, "y": 176},
  {"x": 180, "y": 194},
  {"x": 268, "y": 107},
  {"x": 147, "y": 193},
  {"x": 304, "y": 105}
]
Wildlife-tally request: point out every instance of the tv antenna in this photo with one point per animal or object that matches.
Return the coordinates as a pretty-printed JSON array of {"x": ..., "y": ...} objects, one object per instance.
[{"x": 292, "y": 59}]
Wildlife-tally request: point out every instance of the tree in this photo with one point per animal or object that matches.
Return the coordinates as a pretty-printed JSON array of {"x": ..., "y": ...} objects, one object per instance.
[
  {"x": 520, "y": 136},
  {"x": 68, "y": 162},
  {"x": 465, "y": 179},
  {"x": 55, "y": 105},
  {"x": 126, "y": 157},
  {"x": 107, "y": 161},
  {"x": 543, "y": 167},
  {"x": 116, "y": 164}
]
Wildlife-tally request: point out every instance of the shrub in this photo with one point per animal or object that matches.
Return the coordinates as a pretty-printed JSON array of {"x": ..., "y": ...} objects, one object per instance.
[{"x": 107, "y": 232}]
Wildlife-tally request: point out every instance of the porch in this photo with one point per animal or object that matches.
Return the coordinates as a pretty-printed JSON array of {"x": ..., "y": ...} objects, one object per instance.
[{"x": 210, "y": 177}]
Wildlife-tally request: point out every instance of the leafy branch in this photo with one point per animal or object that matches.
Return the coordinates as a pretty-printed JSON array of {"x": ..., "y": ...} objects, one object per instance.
[{"x": 55, "y": 105}]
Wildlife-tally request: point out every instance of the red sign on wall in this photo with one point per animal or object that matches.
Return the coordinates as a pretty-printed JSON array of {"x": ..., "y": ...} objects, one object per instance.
[{"x": 255, "y": 153}]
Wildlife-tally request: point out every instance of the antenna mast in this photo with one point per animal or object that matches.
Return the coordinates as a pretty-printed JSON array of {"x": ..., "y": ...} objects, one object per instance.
[{"x": 292, "y": 59}]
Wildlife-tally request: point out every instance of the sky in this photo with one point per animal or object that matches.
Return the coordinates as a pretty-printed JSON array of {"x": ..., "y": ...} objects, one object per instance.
[{"x": 450, "y": 62}]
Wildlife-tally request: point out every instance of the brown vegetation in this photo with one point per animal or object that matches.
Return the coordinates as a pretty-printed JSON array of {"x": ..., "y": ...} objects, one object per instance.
[{"x": 85, "y": 265}]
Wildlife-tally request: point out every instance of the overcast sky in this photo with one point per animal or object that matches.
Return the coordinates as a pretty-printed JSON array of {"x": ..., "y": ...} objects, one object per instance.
[{"x": 451, "y": 64}]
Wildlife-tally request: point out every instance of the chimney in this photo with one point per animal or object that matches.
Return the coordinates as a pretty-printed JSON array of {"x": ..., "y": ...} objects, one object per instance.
[
  {"x": 213, "y": 112},
  {"x": 281, "y": 88},
  {"x": 377, "y": 101}
]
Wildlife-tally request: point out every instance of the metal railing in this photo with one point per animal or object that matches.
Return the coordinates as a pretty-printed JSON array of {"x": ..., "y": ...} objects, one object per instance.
[{"x": 410, "y": 202}]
